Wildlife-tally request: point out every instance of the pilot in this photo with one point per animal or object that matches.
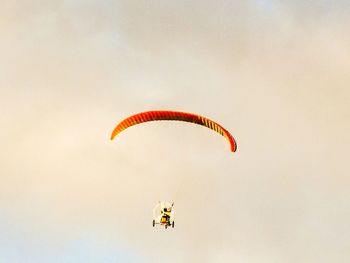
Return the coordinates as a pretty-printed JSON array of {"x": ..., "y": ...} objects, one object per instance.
[{"x": 166, "y": 214}]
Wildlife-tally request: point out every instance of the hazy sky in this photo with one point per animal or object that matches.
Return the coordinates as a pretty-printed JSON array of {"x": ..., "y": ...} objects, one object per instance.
[{"x": 274, "y": 73}]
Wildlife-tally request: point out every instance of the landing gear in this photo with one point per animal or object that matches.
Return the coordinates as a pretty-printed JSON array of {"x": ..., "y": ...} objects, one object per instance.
[
  {"x": 154, "y": 223},
  {"x": 173, "y": 224}
]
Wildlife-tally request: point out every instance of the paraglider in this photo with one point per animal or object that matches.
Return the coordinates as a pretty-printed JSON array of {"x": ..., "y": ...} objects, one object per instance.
[
  {"x": 174, "y": 116},
  {"x": 163, "y": 213}
]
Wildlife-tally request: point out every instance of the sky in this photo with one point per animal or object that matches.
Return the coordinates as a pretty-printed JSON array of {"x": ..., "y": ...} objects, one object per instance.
[{"x": 274, "y": 73}]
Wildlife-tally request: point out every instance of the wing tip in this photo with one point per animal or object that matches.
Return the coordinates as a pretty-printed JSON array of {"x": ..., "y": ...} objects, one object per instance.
[{"x": 113, "y": 135}]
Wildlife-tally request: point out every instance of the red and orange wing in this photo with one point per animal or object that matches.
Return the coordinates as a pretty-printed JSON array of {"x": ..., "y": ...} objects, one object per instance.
[{"x": 174, "y": 116}]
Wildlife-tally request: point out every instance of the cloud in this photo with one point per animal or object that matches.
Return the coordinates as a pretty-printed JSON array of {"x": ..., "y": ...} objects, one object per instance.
[{"x": 275, "y": 74}]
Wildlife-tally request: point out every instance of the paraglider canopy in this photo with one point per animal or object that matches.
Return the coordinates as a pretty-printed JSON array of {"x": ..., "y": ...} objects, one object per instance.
[{"x": 158, "y": 115}]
